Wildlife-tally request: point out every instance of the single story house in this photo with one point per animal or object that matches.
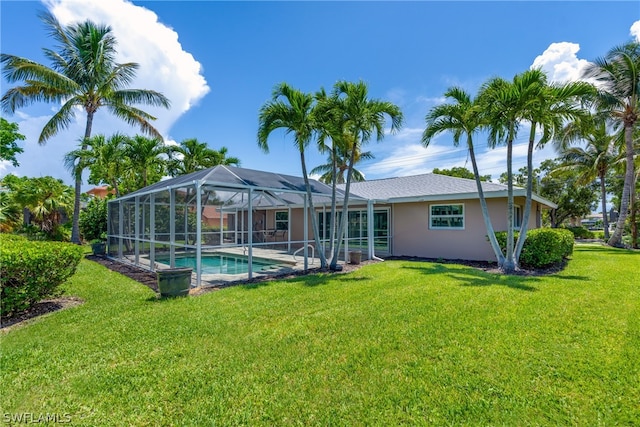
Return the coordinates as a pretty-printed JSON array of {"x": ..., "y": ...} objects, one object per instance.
[
  {"x": 428, "y": 215},
  {"x": 262, "y": 214}
]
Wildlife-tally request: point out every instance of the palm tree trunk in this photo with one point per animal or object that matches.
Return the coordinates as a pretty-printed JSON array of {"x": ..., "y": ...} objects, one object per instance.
[
  {"x": 603, "y": 194},
  {"x": 334, "y": 183},
  {"x": 75, "y": 225},
  {"x": 345, "y": 207},
  {"x": 483, "y": 206},
  {"x": 527, "y": 203},
  {"x": 314, "y": 219},
  {"x": 616, "y": 238},
  {"x": 509, "y": 265},
  {"x": 634, "y": 209}
]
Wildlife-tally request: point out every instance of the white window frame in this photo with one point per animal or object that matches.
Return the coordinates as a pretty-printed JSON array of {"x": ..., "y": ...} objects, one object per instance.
[
  {"x": 276, "y": 221},
  {"x": 517, "y": 218},
  {"x": 431, "y": 216}
]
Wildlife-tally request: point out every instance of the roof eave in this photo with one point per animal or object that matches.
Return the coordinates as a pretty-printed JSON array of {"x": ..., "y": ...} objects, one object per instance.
[{"x": 466, "y": 196}]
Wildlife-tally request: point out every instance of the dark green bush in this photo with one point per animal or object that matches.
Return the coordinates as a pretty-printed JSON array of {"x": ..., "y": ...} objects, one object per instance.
[
  {"x": 32, "y": 271},
  {"x": 93, "y": 219},
  {"x": 543, "y": 247},
  {"x": 581, "y": 232}
]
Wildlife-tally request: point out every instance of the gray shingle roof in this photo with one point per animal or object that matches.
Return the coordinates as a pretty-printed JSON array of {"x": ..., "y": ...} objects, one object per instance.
[
  {"x": 430, "y": 187},
  {"x": 239, "y": 177}
]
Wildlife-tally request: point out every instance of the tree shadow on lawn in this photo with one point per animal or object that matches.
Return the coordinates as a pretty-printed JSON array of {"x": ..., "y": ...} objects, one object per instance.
[
  {"x": 472, "y": 277},
  {"x": 309, "y": 280},
  {"x": 604, "y": 249}
]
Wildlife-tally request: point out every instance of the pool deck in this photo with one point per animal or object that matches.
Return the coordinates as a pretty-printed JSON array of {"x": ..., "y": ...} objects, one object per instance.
[{"x": 284, "y": 263}]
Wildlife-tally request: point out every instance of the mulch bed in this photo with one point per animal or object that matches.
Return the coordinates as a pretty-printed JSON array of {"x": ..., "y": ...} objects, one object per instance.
[
  {"x": 149, "y": 279},
  {"x": 39, "y": 309},
  {"x": 145, "y": 277}
]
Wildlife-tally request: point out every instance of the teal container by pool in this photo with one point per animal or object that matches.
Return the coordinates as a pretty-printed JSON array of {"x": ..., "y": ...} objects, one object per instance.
[{"x": 174, "y": 282}]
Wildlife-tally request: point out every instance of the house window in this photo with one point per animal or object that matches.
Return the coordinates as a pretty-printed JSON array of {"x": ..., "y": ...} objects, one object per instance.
[
  {"x": 447, "y": 217},
  {"x": 517, "y": 216},
  {"x": 282, "y": 220}
]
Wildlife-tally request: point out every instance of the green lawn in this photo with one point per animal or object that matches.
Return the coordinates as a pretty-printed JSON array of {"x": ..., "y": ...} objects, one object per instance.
[{"x": 392, "y": 343}]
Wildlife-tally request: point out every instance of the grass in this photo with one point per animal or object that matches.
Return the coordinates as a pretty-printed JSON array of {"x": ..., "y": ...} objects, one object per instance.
[{"x": 392, "y": 343}]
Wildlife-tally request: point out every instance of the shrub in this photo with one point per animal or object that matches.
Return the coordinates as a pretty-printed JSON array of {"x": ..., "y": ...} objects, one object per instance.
[
  {"x": 31, "y": 271},
  {"x": 581, "y": 233},
  {"x": 543, "y": 247},
  {"x": 93, "y": 219}
]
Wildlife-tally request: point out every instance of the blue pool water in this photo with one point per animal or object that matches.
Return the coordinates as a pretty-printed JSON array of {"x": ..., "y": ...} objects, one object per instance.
[{"x": 222, "y": 263}]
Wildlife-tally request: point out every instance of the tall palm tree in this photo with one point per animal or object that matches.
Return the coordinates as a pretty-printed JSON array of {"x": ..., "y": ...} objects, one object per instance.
[
  {"x": 292, "y": 110},
  {"x": 462, "y": 118},
  {"x": 83, "y": 74},
  {"x": 361, "y": 118},
  {"x": 502, "y": 106},
  {"x": 618, "y": 78},
  {"x": 549, "y": 106},
  {"x": 145, "y": 159},
  {"x": 591, "y": 161}
]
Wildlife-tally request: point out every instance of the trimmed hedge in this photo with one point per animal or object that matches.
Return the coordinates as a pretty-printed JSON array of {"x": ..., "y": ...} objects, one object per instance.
[
  {"x": 544, "y": 246},
  {"x": 32, "y": 271},
  {"x": 93, "y": 219},
  {"x": 581, "y": 232}
]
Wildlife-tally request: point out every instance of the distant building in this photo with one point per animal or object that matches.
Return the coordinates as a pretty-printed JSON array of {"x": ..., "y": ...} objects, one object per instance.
[{"x": 101, "y": 192}]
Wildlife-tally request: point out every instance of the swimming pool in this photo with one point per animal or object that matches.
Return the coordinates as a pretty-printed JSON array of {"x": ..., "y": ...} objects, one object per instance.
[{"x": 223, "y": 263}]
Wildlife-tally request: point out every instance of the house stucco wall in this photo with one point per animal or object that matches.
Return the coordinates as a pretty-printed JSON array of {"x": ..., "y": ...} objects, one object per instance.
[{"x": 413, "y": 237}]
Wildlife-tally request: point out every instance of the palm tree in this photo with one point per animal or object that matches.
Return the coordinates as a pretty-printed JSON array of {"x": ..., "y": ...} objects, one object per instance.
[
  {"x": 291, "y": 110},
  {"x": 192, "y": 155},
  {"x": 549, "y": 106},
  {"x": 83, "y": 74},
  {"x": 341, "y": 157},
  {"x": 105, "y": 159},
  {"x": 361, "y": 118},
  {"x": 145, "y": 159},
  {"x": 222, "y": 159},
  {"x": 10, "y": 213},
  {"x": 462, "y": 118},
  {"x": 46, "y": 198},
  {"x": 501, "y": 106},
  {"x": 591, "y": 161},
  {"x": 505, "y": 105},
  {"x": 618, "y": 78}
]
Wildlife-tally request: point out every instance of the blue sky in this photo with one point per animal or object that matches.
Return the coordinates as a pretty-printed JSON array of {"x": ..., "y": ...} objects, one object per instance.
[{"x": 219, "y": 61}]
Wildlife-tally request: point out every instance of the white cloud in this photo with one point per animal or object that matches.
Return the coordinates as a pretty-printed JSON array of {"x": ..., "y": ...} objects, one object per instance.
[
  {"x": 635, "y": 30},
  {"x": 560, "y": 62},
  {"x": 164, "y": 67}
]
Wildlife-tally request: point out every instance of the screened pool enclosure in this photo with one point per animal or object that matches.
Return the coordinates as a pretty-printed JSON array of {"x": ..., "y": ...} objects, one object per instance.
[{"x": 229, "y": 224}]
